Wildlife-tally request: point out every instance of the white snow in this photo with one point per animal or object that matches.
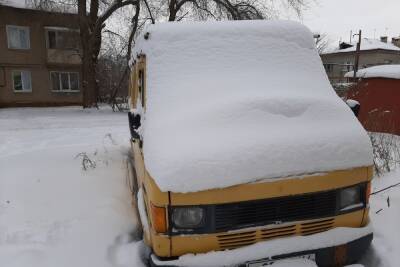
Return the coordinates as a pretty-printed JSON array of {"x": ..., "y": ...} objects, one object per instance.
[
  {"x": 14, "y": 3},
  {"x": 266, "y": 249},
  {"x": 52, "y": 212},
  {"x": 385, "y": 215},
  {"x": 237, "y": 102},
  {"x": 382, "y": 71},
  {"x": 367, "y": 44},
  {"x": 352, "y": 103}
]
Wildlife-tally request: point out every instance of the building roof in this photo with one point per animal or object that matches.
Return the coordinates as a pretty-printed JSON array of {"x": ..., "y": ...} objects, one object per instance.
[
  {"x": 21, "y": 7},
  {"x": 13, "y": 3},
  {"x": 367, "y": 44},
  {"x": 382, "y": 71}
]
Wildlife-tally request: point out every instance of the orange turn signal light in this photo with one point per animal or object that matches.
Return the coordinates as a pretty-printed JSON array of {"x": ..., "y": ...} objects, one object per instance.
[{"x": 159, "y": 218}]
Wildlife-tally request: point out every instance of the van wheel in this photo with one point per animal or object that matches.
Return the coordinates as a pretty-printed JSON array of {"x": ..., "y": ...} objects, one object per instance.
[{"x": 131, "y": 178}]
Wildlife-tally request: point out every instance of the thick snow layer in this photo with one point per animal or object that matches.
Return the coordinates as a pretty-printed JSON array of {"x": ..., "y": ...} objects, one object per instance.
[
  {"x": 236, "y": 102},
  {"x": 14, "y": 3},
  {"x": 382, "y": 71},
  {"x": 368, "y": 44},
  {"x": 273, "y": 247},
  {"x": 52, "y": 212}
]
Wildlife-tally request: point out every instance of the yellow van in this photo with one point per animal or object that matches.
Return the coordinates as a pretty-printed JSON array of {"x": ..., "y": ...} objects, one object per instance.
[{"x": 242, "y": 152}]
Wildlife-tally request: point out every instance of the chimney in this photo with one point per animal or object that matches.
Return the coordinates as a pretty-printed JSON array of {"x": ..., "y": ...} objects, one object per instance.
[
  {"x": 384, "y": 39},
  {"x": 396, "y": 41}
]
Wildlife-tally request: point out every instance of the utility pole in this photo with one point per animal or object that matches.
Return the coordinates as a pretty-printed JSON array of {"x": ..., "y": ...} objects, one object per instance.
[{"x": 357, "y": 55}]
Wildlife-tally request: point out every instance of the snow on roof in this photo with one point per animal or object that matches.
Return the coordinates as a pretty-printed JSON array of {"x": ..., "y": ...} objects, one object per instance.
[
  {"x": 13, "y": 3},
  {"x": 367, "y": 44},
  {"x": 241, "y": 101},
  {"x": 382, "y": 71}
]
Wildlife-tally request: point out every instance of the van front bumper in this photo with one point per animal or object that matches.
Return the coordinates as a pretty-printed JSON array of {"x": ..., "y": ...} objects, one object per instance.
[{"x": 339, "y": 254}]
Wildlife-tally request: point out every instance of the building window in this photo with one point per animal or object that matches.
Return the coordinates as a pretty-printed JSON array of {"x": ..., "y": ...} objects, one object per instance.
[
  {"x": 350, "y": 66},
  {"x": 64, "y": 81},
  {"x": 22, "y": 81},
  {"x": 18, "y": 37},
  {"x": 62, "y": 39},
  {"x": 328, "y": 68}
]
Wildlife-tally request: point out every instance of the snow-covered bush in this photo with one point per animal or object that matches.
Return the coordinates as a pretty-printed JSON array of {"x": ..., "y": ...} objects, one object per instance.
[{"x": 386, "y": 149}]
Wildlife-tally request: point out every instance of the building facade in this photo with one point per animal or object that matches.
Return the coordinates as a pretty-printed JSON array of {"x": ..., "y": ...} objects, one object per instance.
[
  {"x": 40, "y": 63},
  {"x": 372, "y": 53}
]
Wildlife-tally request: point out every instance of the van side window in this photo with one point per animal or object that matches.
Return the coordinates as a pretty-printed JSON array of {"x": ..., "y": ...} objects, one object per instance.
[{"x": 141, "y": 85}]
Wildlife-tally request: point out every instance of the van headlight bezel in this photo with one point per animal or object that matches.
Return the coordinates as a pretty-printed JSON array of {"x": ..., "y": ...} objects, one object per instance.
[
  {"x": 188, "y": 217},
  {"x": 351, "y": 198}
]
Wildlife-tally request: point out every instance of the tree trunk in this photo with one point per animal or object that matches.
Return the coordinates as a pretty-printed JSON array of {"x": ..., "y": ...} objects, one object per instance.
[
  {"x": 90, "y": 92},
  {"x": 91, "y": 50}
]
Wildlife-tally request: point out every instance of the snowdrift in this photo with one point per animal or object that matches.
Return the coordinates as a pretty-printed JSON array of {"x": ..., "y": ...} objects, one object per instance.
[
  {"x": 237, "y": 102},
  {"x": 382, "y": 71}
]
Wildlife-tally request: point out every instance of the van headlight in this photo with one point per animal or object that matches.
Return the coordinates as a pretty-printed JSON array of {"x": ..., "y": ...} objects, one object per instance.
[
  {"x": 350, "y": 198},
  {"x": 188, "y": 217}
]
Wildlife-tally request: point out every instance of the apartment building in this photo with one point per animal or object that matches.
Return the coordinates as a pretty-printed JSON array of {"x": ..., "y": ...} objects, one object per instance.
[{"x": 40, "y": 63}]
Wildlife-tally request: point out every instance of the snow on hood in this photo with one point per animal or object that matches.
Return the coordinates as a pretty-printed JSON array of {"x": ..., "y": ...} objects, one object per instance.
[
  {"x": 382, "y": 71},
  {"x": 237, "y": 102}
]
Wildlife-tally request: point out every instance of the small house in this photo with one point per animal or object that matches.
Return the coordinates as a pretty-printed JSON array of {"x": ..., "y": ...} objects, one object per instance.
[{"x": 378, "y": 91}]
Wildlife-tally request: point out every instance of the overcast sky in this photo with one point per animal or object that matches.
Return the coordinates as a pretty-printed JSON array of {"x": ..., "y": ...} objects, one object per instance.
[{"x": 338, "y": 17}]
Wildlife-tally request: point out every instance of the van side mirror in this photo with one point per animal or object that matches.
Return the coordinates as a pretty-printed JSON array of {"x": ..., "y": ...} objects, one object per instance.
[
  {"x": 354, "y": 106},
  {"x": 134, "y": 124}
]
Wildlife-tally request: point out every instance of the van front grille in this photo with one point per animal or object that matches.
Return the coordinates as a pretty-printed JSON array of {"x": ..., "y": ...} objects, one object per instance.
[
  {"x": 240, "y": 239},
  {"x": 230, "y": 241},
  {"x": 276, "y": 210},
  {"x": 316, "y": 227}
]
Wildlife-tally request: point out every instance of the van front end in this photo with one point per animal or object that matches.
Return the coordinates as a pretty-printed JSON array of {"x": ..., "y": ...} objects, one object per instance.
[{"x": 323, "y": 217}]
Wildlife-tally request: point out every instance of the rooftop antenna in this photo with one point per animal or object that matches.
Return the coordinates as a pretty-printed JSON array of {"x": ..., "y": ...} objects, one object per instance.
[
  {"x": 351, "y": 35},
  {"x": 374, "y": 33}
]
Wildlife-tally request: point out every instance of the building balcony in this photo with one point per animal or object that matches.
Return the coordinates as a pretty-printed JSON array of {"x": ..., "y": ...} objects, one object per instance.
[{"x": 63, "y": 56}]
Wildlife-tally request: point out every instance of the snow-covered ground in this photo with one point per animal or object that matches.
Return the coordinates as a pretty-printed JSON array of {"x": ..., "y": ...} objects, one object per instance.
[
  {"x": 54, "y": 213},
  {"x": 385, "y": 216}
]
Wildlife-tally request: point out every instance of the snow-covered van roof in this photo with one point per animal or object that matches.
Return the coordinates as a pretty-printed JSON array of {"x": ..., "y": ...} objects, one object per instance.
[
  {"x": 241, "y": 101},
  {"x": 382, "y": 71},
  {"x": 367, "y": 44}
]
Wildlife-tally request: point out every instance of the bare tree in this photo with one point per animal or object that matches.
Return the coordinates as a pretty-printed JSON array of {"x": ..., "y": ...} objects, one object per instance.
[
  {"x": 91, "y": 24},
  {"x": 322, "y": 43}
]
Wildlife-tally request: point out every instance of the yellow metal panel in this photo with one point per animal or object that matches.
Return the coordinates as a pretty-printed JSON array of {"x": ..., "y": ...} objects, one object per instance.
[
  {"x": 161, "y": 245},
  {"x": 270, "y": 189}
]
